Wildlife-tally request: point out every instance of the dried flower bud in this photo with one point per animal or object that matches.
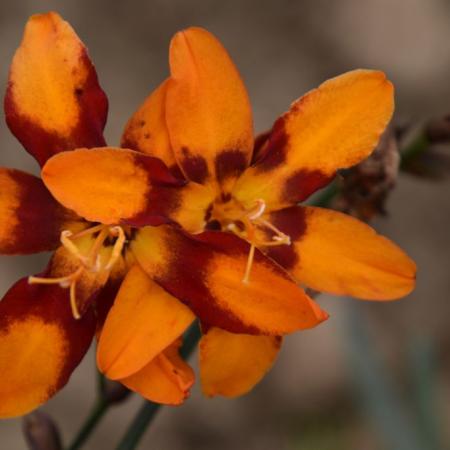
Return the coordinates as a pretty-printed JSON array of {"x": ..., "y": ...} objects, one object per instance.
[
  {"x": 438, "y": 130},
  {"x": 366, "y": 186},
  {"x": 114, "y": 392},
  {"x": 41, "y": 432}
]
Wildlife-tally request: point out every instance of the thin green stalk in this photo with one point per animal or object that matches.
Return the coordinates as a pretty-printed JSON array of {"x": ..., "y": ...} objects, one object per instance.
[
  {"x": 415, "y": 148},
  {"x": 96, "y": 414},
  {"x": 148, "y": 410},
  {"x": 423, "y": 372},
  {"x": 377, "y": 391}
]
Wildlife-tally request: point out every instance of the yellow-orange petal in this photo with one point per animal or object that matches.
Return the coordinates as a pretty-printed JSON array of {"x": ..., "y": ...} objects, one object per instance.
[
  {"x": 144, "y": 320},
  {"x": 40, "y": 345},
  {"x": 112, "y": 185},
  {"x": 232, "y": 364},
  {"x": 146, "y": 131},
  {"x": 167, "y": 379},
  {"x": 53, "y": 101},
  {"x": 206, "y": 272},
  {"x": 332, "y": 127},
  {"x": 208, "y": 110},
  {"x": 31, "y": 220},
  {"x": 335, "y": 253}
]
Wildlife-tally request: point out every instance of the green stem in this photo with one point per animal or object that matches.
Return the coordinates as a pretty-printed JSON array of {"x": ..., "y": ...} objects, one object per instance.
[
  {"x": 423, "y": 371},
  {"x": 149, "y": 409},
  {"x": 89, "y": 425},
  {"x": 416, "y": 147}
]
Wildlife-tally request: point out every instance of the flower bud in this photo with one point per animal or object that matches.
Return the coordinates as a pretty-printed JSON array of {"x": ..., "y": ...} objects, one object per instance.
[
  {"x": 41, "y": 432},
  {"x": 114, "y": 392}
]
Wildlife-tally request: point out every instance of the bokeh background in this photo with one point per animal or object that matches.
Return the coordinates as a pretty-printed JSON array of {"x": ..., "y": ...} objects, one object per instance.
[{"x": 375, "y": 376}]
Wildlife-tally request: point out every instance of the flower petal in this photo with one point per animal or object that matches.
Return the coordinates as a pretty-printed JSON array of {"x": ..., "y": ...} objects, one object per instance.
[
  {"x": 53, "y": 101},
  {"x": 40, "y": 345},
  {"x": 147, "y": 132},
  {"x": 206, "y": 272},
  {"x": 332, "y": 127},
  {"x": 143, "y": 321},
  {"x": 31, "y": 220},
  {"x": 232, "y": 364},
  {"x": 166, "y": 379},
  {"x": 335, "y": 253},
  {"x": 208, "y": 111},
  {"x": 111, "y": 185}
]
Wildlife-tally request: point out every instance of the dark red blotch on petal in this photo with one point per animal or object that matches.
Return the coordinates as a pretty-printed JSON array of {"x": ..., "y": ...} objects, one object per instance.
[
  {"x": 39, "y": 216},
  {"x": 185, "y": 279},
  {"x": 194, "y": 166},
  {"x": 303, "y": 183},
  {"x": 230, "y": 164}
]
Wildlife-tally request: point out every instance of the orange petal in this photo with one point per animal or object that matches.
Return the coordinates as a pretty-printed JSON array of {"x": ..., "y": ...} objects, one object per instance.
[
  {"x": 166, "y": 379},
  {"x": 53, "y": 101},
  {"x": 40, "y": 345},
  {"x": 208, "y": 111},
  {"x": 31, "y": 220},
  {"x": 146, "y": 131},
  {"x": 232, "y": 364},
  {"x": 332, "y": 127},
  {"x": 143, "y": 321},
  {"x": 335, "y": 253},
  {"x": 111, "y": 185},
  {"x": 206, "y": 272}
]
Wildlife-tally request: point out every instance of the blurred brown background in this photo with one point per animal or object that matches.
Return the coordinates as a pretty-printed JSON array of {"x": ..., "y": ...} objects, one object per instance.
[{"x": 282, "y": 48}]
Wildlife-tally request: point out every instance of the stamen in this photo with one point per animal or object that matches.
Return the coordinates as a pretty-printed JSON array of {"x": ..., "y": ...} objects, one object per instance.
[
  {"x": 248, "y": 268},
  {"x": 62, "y": 281},
  {"x": 118, "y": 246},
  {"x": 88, "y": 231},
  {"x": 280, "y": 237},
  {"x": 258, "y": 210},
  {"x": 73, "y": 301},
  {"x": 72, "y": 248},
  {"x": 90, "y": 262},
  {"x": 94, "y": 251}
]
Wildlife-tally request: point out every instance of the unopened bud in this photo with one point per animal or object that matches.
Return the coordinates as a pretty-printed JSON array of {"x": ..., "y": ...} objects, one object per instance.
[
  {"x": 114, "y": 392},
  {"x": 41, "y": 432}
]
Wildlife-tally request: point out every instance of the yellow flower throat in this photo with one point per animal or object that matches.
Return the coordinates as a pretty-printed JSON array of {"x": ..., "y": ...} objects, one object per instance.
[
  {"x": 249, "y": 224},
  {"x": 88, "y": 262}
]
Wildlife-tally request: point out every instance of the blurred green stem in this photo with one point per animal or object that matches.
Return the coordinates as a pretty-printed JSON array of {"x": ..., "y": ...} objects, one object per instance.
[
  {"x": 377, "y": 392},
  {"x": 97, "y": 412},
  {"x": 423, "y": 372},
  {"x": 415, "y": 148}
]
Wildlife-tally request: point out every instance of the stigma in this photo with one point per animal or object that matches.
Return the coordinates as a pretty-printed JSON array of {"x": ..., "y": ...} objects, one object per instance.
[{"x": 87, "y": 260}]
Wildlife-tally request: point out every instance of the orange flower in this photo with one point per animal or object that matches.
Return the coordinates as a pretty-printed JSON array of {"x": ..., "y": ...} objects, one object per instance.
[
  {"x": 54, "y": 102},
  {"x": 56, "y": 108},
  {"x": 199, "y": 123}
]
